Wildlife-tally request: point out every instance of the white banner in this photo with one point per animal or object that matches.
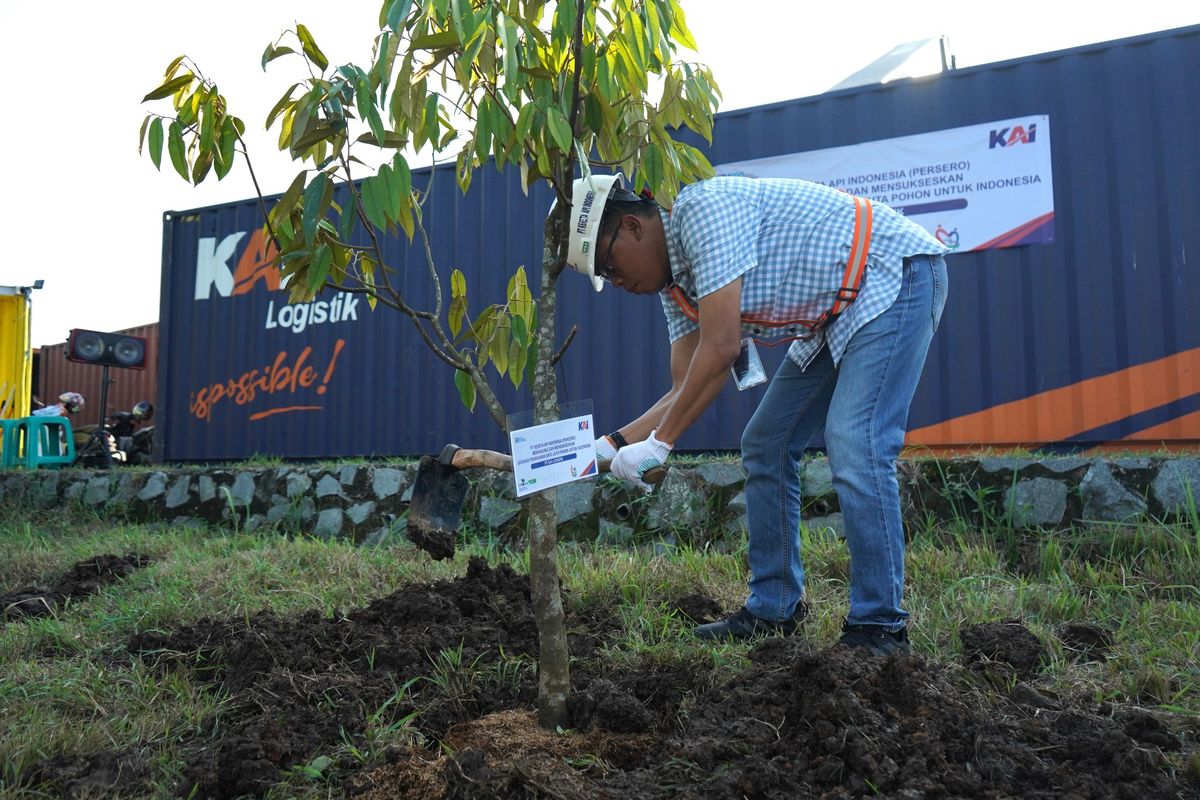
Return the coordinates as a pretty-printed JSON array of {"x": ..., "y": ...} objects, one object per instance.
[
  {"x": 552, "y": 454},
  {"x": 982, "y": 186}
]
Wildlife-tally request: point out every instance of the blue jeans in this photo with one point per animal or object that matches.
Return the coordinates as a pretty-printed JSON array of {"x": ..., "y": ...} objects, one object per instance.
[{"x": 863, "y": 406}]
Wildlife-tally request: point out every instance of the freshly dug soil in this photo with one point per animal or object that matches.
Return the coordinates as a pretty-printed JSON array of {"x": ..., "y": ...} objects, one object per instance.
[
  {"x": 299, "y": 684},
  {"x": 799, "y": 722},
  {"x": 84, "y": 578},
  {"x": 103, "y": 774}
]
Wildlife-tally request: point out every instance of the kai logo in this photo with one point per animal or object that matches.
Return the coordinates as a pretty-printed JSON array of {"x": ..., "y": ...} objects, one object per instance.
[
  {"x": 1007, "y": 137},
  {"x": 256, "y": 265},
  {"x": 212, "y": 265}
]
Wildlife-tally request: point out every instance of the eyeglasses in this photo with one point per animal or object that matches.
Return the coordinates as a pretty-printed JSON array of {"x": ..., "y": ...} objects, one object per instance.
[{"x": 604, "y": 269}]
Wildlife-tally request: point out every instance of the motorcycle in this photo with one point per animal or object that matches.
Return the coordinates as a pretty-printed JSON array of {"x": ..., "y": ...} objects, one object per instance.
[{"x": 125, "y": 439}]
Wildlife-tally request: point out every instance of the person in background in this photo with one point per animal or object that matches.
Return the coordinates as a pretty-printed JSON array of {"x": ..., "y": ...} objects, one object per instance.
[
  {"x": 858, "y": 291},
  {"x": 68, "y": 403}
]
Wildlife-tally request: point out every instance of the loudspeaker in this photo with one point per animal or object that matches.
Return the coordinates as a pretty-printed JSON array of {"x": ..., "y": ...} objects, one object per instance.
[{"x": 106, "y": 349}]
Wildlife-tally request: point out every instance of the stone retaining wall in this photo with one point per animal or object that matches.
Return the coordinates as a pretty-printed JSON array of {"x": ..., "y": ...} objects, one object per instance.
[{"x": 702, "y": 503}]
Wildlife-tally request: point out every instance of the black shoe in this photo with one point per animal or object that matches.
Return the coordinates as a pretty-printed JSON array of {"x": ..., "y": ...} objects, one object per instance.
[
  {"x": 877, "y": 639},
  {"x": 741, "y": 624}
]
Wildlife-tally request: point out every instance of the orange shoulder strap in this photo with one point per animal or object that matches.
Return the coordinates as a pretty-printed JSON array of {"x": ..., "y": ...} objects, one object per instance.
[{"x": 856, "y": 267}]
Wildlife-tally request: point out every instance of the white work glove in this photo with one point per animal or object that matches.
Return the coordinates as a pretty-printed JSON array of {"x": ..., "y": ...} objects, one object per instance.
[
  {"x": 633, "y": 460},
  {"x": 605, "y": 448}
]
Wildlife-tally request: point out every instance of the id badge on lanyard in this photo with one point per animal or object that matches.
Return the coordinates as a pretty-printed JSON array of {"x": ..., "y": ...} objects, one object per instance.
[{"x": 747, "y": 368}]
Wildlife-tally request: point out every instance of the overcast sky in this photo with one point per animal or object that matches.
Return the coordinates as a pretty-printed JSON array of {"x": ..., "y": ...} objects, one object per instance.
[{"x": 84, "y": 212}]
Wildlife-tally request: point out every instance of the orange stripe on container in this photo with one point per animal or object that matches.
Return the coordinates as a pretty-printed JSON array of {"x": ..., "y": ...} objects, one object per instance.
[
  {"x": 273, "y": 411},
  {"x": 1059, "y": 414},
  {"x": 1185, "y": 428}
]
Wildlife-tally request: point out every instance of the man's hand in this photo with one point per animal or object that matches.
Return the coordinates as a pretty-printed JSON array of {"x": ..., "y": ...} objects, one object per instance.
[
  {"x": 605, "y": 448},
  {"x": 633, "y": 460}
]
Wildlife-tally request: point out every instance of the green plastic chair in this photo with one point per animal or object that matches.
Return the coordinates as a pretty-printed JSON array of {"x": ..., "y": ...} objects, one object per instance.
[
  {"x": 49, "y": 442},
  {"x": 10, "y": 442}
]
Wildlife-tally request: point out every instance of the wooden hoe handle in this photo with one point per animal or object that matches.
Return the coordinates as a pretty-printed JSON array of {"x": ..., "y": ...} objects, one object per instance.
[{"x": 462, "y": 458}]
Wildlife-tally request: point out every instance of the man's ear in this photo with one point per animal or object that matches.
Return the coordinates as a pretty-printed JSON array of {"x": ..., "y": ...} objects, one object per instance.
[{"x": 632, "y": 223}]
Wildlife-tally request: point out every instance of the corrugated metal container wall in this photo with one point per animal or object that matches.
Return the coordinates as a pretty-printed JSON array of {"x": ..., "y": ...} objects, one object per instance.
[
  {"x": 1088, "y": 339},
  {"x": 1092, "y": 338},
  {"x": 128, "y": 386}
]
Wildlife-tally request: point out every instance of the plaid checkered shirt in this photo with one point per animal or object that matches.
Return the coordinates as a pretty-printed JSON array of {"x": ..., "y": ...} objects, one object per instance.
[{"x": 789, "y": 241}]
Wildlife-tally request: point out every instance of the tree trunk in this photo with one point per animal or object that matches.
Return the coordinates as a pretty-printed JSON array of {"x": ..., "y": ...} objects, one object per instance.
[{"x": 554, "y": 676}]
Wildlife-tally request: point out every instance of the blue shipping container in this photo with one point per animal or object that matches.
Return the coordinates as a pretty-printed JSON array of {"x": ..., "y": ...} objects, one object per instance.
[{"x": 1085, "y": 340}]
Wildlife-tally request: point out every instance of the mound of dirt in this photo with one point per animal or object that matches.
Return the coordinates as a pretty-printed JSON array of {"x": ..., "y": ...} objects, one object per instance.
[
  {"x": 835, "y": 724},
  {"x": 82, "y": 579},
  {"x": 797, "y": 722},
  {"x": 300, "y": 684}
]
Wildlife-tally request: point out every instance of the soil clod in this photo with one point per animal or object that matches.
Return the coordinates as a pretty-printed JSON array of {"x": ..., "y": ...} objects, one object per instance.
[
  {"x": 438, "y": 543},
  {"x": 1008, "y": 642},
  {"x": 82, "y": 579}
]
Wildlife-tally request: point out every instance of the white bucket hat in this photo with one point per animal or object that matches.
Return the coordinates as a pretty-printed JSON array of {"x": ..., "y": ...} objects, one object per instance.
[{"x": 589, "y": 195}]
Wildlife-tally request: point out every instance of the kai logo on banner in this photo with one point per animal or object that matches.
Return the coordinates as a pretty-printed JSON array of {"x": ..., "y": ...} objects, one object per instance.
[
  {"x": 255, "y": 265},
  {"x": 1007, "y": 137}
]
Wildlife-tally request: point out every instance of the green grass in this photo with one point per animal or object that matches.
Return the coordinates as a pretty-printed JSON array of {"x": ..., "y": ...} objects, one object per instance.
[{"x": 67, "y": 687}]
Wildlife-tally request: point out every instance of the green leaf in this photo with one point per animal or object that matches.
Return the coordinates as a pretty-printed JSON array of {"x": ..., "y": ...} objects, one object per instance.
[
  {"x": 508, "y": 37},
  {"x": 679, "y": 28},
  {"x": 458, "y": 301},
  {"x": 279, "y": 106},
  {"x": 369, "y": 193},
  {"x": 516, "y": 362},
  {"x": 207, "y": 120},
  {"x": 318, "y": 269},
  {"x": 466, "y": 389},
  {"x": 531, "y": 360},
  {"x": 524, "y": 121},
  {"x": 560, "y": 129},
  {"x": 520, "y": 302},
  {"x": 498, "y": 346},
  {"x": 397, "y": 13},
  {"x": 389, "y": 193},
  {"x": 636, "y": 36},
  {"x": 431, "y": 117},
  {"x": 376, "y": 123},
  {"x": 203, "y": 164},
  {"x": 312, "y": 206},
  {"x": 403, "y": 177},
  {"x": 652, "y": 166},
  {"x": 170, "y": 87},
  {"x": 347, "y": 220},
  {"x": 176, "y": 149},
  {"x": 520, "y": 334},
  {"x": 456, "y": 18},
  {"x": 174, "y": 65},
  {"x": 483, "y": 130},
  {"x": 593, "y": 115},
  {"x": 479, "y": 330},
  {"x": 142, "y": 132},
  {"x": 225, "y": 153},
  {"x": 367, "y": 266},
  {"x": 156, "y": 142},
  {"x": 435, "y": 41},
  {"x": 272, "y": 52},
  {"x": 391, "y": 140},
  {"x": 655, "y": 27},
  {"x": 311, "y": 50},
  {"x": 283, "y": 209}
]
